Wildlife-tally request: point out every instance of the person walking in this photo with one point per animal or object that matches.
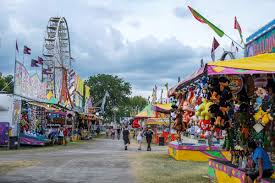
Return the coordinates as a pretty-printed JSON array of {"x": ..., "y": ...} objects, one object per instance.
[
  {"x": 60, "y": 136},
  {"x": 97, "y": 130},
  {"x": 118, "y": 131},
  {"x": 126, "y": 139},
  {"x": 139, "y": 138},
  {"x": 113, "y": 133},
  {"x": 149, "y": 136}
]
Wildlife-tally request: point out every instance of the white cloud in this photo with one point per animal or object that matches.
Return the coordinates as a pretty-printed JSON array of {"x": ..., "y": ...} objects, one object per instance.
[{"x": 145, "y": 42}]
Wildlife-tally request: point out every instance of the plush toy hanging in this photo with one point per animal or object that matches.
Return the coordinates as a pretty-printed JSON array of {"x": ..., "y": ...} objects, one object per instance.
[
  {"x": 217, "y": 115},
  {"x": 178, "y": 125},
  {"x": 203, "y": 110},
  {"x": 215, "y": 95},
  {"x": 242, "y": 118},
  {"x": 262, "y": 107},
  {"x": 204, "y": 93},
  {"x": 214, "y": 90},
  {"x": 181, "y": 97},
  {"x": 225, "y": 91},
  {"x": 188, "y": 112}
]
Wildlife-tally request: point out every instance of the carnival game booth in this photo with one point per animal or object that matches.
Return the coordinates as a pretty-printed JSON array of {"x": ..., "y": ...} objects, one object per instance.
[
  {"x": 161, "y": 127},
  {"x": 226, "y": 112},
  {"x": 155, "y": 116},
  {"x": 34, "y": 123},
  {"x": 163, "y": 123},
  {"x": 191, "y": 116},
  {"x": 253, "y": 113}
]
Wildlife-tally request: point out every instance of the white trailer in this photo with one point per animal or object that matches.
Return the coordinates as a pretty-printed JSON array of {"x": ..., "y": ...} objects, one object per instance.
[{"x": 10, "y": 111}]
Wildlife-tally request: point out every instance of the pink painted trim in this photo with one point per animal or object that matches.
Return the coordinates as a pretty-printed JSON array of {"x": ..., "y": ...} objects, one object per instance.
[
  {"x": 229, "y": 70},
  {"x": 29, "y": 141},
  {"x": 194, "y": 147}
]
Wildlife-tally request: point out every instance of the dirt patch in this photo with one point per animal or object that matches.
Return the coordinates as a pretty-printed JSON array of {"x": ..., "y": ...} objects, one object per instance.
[{"x": 158, "y": 167}]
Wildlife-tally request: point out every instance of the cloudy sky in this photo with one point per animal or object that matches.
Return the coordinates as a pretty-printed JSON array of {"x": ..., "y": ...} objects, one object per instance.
[{"x": 145, "y": 42}]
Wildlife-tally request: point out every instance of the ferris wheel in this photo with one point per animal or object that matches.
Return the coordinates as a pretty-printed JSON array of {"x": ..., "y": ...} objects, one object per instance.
[{"x": 57, "y": 55}]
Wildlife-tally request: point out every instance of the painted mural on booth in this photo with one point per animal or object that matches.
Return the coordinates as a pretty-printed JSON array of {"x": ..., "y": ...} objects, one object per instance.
[
  {"x": 29, "y": 86},
  {"x": 263, "y": 44}
]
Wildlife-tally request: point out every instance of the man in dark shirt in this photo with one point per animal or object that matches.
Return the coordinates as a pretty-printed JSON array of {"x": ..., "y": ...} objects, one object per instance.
[
  {"x": 149, "y": 136},
  {"x": 126, "y": 139},
  {"x": 118, "y": 131}
]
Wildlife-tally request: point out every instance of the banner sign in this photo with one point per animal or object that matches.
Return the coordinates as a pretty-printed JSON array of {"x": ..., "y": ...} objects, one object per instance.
[
  {"x": 262, "y": 41},
  {"x": 4, "y": 133},
  {"x": 29, "y": 86},
  {"x": 16, "y": 111}
]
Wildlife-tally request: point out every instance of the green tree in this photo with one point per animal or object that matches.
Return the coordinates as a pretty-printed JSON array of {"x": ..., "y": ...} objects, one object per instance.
[
  {"x": 6, "y": 84},
  {"x": 136, "y": 104},
  {"x": 118, "y": 89}
]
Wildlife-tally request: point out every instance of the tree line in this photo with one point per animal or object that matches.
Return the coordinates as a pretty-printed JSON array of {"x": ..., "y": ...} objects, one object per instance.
[{"x": 119, "y": 96}]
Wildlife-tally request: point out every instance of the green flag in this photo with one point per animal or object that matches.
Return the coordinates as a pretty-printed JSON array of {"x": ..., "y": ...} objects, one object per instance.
[{"x": 201, "y": 19}]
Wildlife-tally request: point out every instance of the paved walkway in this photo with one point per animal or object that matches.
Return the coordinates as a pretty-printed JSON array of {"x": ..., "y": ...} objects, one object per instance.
[{"x": 99, "y": 161}]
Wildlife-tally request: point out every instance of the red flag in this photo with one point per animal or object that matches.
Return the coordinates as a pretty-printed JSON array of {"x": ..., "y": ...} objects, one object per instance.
[
  {"x": 16, "y": 47},
  {"x": 238, "y": 27},
  {"x": 34, "y": 63},
  {"x": 215, "y": 45},
  {"x": 40, "y": 61},
  {"x": 27, "y": 50}
]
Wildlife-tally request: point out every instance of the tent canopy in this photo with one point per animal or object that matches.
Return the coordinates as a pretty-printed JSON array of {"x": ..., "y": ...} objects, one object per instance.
[
  {"x": 162, "y": 107},
  {"x": 188, "y": 80},
  {"x": 264, "y": 63},
  {"x": 147, "y": 112}
]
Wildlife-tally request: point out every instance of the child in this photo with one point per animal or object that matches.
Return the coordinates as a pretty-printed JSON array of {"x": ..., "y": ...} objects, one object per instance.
[{"x": 139, "y": 138}]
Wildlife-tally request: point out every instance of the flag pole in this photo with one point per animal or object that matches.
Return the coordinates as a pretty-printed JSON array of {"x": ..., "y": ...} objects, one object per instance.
[
  {"x": 23, "y": 58},
  {"x": 14, "y": 83},
  {"x": 42, "y": 72},
  {"x": 14, "y": 72},
  {"x": 234, "y": 41}
]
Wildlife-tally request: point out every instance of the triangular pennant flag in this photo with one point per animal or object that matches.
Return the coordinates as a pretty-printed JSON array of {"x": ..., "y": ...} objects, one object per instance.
[
  {"x": 215, "y": 45},
  {"x": 201, "y": 19},
  {"x": 238, "y": 27},
  {"x": 40, "y": 61},
  {"x": 27, "y": 50},
  {"x": 34, "y": 63}
]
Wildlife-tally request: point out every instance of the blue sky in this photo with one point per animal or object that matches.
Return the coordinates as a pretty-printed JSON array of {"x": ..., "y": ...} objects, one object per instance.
[{"x": 144, "y": 42}]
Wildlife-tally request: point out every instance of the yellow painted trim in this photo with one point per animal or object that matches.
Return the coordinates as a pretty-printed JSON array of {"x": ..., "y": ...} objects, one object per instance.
[
  {"x": 227, "y": 155},
  {"x": 190, "y": 155},
  {"x": 222, "y": 177}
]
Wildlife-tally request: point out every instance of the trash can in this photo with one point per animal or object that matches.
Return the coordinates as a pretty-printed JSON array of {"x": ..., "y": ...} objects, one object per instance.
[{"x": 161, "y": 141}]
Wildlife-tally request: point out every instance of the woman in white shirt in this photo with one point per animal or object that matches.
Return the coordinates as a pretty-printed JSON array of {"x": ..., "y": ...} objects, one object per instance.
[{"x": 139, "y": 138}]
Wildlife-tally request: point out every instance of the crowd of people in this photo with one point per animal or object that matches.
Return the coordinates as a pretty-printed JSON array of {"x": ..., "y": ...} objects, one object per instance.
[{"x": 139, "y": 134}]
